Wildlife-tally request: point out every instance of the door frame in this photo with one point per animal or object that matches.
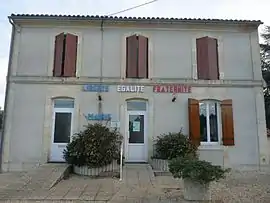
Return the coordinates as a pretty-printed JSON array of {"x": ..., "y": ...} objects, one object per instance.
[
  {"x": 60, "y": 110},
  {"x": 144, "y": 113}
]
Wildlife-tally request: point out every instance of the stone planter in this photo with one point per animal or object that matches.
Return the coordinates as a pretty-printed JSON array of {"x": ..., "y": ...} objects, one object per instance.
[
  {"x": 160, "y": 165},
  {"x": 195, "y": 191},
  {"x": 84, "y": 170}
]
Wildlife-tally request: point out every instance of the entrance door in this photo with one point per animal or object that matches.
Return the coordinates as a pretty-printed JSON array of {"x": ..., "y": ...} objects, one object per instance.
[
  {"x": 136, "y": 137},
  {"x": 61, "y": 135}
]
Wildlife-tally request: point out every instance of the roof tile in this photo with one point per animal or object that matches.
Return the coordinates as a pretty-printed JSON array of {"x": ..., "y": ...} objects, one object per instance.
[{"x": 123, "y": 18}]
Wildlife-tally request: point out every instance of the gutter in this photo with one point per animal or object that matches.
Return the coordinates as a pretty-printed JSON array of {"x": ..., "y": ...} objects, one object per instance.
[{"x": 11, "y": 46}]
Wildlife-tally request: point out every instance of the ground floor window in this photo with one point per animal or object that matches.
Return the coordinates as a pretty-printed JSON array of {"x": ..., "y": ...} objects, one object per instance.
[{"x": 210, "y": 121}]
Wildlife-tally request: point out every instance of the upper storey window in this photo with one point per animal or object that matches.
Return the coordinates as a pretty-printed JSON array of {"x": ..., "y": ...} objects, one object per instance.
[
  {"x": 65, "y": 55},
  {"x": 207, "y": 58},
  {"x": 137, "y": 57}
]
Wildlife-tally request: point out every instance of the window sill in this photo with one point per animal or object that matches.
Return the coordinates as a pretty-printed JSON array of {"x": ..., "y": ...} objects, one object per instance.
[{"x": 211, "y": 146}]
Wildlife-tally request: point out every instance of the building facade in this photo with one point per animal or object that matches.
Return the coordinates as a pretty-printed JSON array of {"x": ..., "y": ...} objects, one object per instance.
[{"x": 145, "y": 76}]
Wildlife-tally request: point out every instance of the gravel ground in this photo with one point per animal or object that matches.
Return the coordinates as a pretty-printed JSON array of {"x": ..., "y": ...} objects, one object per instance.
[
  {"x": 245, "y": 186},
  {"x": 251, "y": 186}
]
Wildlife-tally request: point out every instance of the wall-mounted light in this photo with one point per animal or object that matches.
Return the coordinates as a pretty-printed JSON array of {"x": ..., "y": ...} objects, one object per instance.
[
  {"x": 99, "y": 98},
  {"x": 174, "y": 97}
]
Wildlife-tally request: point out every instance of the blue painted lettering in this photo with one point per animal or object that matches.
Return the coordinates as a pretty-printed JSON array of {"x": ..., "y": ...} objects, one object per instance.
[
  {"x": 96, "y": 88},
  {"x": 97, "y": 117}
]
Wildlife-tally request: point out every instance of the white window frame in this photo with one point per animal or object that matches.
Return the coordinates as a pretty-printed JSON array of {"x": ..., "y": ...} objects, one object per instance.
[
  {"x": 62, "y": 110},
  {"x": 219, "y": 123}
]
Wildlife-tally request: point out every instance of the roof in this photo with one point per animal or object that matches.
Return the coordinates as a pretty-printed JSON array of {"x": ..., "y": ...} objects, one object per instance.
[{"x": 130, "y": 19}]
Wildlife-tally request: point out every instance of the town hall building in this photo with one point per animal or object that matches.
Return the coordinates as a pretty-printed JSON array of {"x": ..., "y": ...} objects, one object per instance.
[{"x": 158, "y": 75}]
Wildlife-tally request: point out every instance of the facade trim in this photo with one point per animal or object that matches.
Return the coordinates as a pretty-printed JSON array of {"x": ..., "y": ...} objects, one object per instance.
[{"x": 146, "y": 82}]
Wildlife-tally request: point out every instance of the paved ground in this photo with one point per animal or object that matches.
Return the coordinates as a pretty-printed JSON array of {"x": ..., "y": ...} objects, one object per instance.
[
  {"x": 140, "y": 186},
  {"x": 43, "y": 177}
]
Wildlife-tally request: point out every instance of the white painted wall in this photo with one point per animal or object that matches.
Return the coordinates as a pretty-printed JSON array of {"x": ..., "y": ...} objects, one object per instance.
[{"x": 172, "y": 60}]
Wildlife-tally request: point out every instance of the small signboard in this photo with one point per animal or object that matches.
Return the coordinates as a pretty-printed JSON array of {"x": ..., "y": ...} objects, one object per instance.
[
  {"x": 130, "y": 88},
  {"x": 96, "y": 88},
  {"x": 97, "y": 117},
  {"x": 172, "y": 89},
  {"x": 115, "y": 124},
  {"x": 136, "y": 126}
]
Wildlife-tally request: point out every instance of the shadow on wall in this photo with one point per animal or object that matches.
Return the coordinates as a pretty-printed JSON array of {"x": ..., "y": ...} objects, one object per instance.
[
  {"x": 1, "y": 126},
  {"x": 1, "y": 119}
]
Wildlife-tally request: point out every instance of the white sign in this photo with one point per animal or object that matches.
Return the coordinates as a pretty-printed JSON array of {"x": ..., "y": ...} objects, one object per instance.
[
  {"x": 131, "y": 88},
  {"x": 115, "y": 124},
  {"x": 136, "y": 126}
]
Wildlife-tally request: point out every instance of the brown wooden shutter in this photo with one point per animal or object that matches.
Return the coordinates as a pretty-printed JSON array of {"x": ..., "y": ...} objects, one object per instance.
[
  {"x": 202, "y": 58},
  {"x": 194, "y": 121},
  {"x": 70, "y": 55},
  {"x": 227, "y": 122},
  {"x": 58, "y": 54},
  {"x": 213, "y": 59},
  {"x": 132, "y": 57},
  {"x": 143, "y": 57}
]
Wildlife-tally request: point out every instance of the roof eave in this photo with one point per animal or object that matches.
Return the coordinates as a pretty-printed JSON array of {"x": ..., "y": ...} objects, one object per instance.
[{"x": 21, "y": 18}]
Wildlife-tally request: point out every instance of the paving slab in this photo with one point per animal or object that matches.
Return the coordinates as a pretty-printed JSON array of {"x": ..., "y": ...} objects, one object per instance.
[{"x": 139, "y": 186}]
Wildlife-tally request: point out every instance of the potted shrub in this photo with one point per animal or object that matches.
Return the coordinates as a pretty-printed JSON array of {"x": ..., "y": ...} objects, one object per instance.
[
  {"x": 197, "y": 176},
  {"x": 94, "y": 150},
  {"x": 169, "y": 146}
]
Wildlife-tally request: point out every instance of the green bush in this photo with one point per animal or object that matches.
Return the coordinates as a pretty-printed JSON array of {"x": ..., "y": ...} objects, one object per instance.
[
  {"x": 195, "y": 170},
  {"x": 94, "y": 147},
  {"x": 172, "y": 145}
]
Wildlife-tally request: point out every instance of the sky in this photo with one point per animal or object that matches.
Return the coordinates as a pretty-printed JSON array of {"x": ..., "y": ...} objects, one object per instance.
[{"x": 224, "y": 9}]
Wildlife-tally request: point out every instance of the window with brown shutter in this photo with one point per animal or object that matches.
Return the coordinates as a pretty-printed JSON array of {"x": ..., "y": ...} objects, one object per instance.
[
  {"x": 194, "y": 121},
  {"x": 207, "y": 119},
  {"x": 58, "y": 55},
  {"x": 70, "y": 55},
  {"x": 132, "y": 55},
  {"x": 136, "y": 57},
  {"x": 65, "y": 55},
  {"x": 227, "y": 122},
  {"x": 207, "y": 58}
]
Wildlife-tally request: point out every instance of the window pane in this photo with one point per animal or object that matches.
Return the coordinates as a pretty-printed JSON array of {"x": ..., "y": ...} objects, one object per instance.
[
  {"x": 136, "y": 106},
  {"x": 63, "y": 103},
  {"x": 62, "y": 127},
  {"x": 213, "y": 122},
  {"x": 136, "y": 129},
  {"x": 203, "y": 126}
]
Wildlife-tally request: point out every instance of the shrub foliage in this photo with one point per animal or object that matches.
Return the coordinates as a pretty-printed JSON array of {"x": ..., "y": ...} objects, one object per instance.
[
  {"x": 196, "y": 170},
  {"x": 172, "y": 145},
  {"x": 95, "y": 146}
]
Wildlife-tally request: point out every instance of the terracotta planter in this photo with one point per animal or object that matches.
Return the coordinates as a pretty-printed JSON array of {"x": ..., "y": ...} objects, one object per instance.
[
  {"x": 160, "y": 165},
  {"x": 84, "y": 170},
  {"x": 195, "y": 191}
]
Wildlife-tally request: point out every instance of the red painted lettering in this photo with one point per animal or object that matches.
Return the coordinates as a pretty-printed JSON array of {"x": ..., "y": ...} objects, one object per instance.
[
  {"x": 163, "y": 89},
  {"x": 189, "y": 89},
  {"x": 175, "y": 89},
  {"x": 172, "y": 89},
  {"x": 184, "y": 89},
  {"x": 157, "y": 88}
]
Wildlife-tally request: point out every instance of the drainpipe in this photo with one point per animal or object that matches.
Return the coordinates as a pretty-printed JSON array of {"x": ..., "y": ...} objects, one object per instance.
[
  {"x": 258, "y": 136},
  {"x": 11, "y": 46},
  {"x": 101, "y": 66},
  {"x": 256, "y": 109}
]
